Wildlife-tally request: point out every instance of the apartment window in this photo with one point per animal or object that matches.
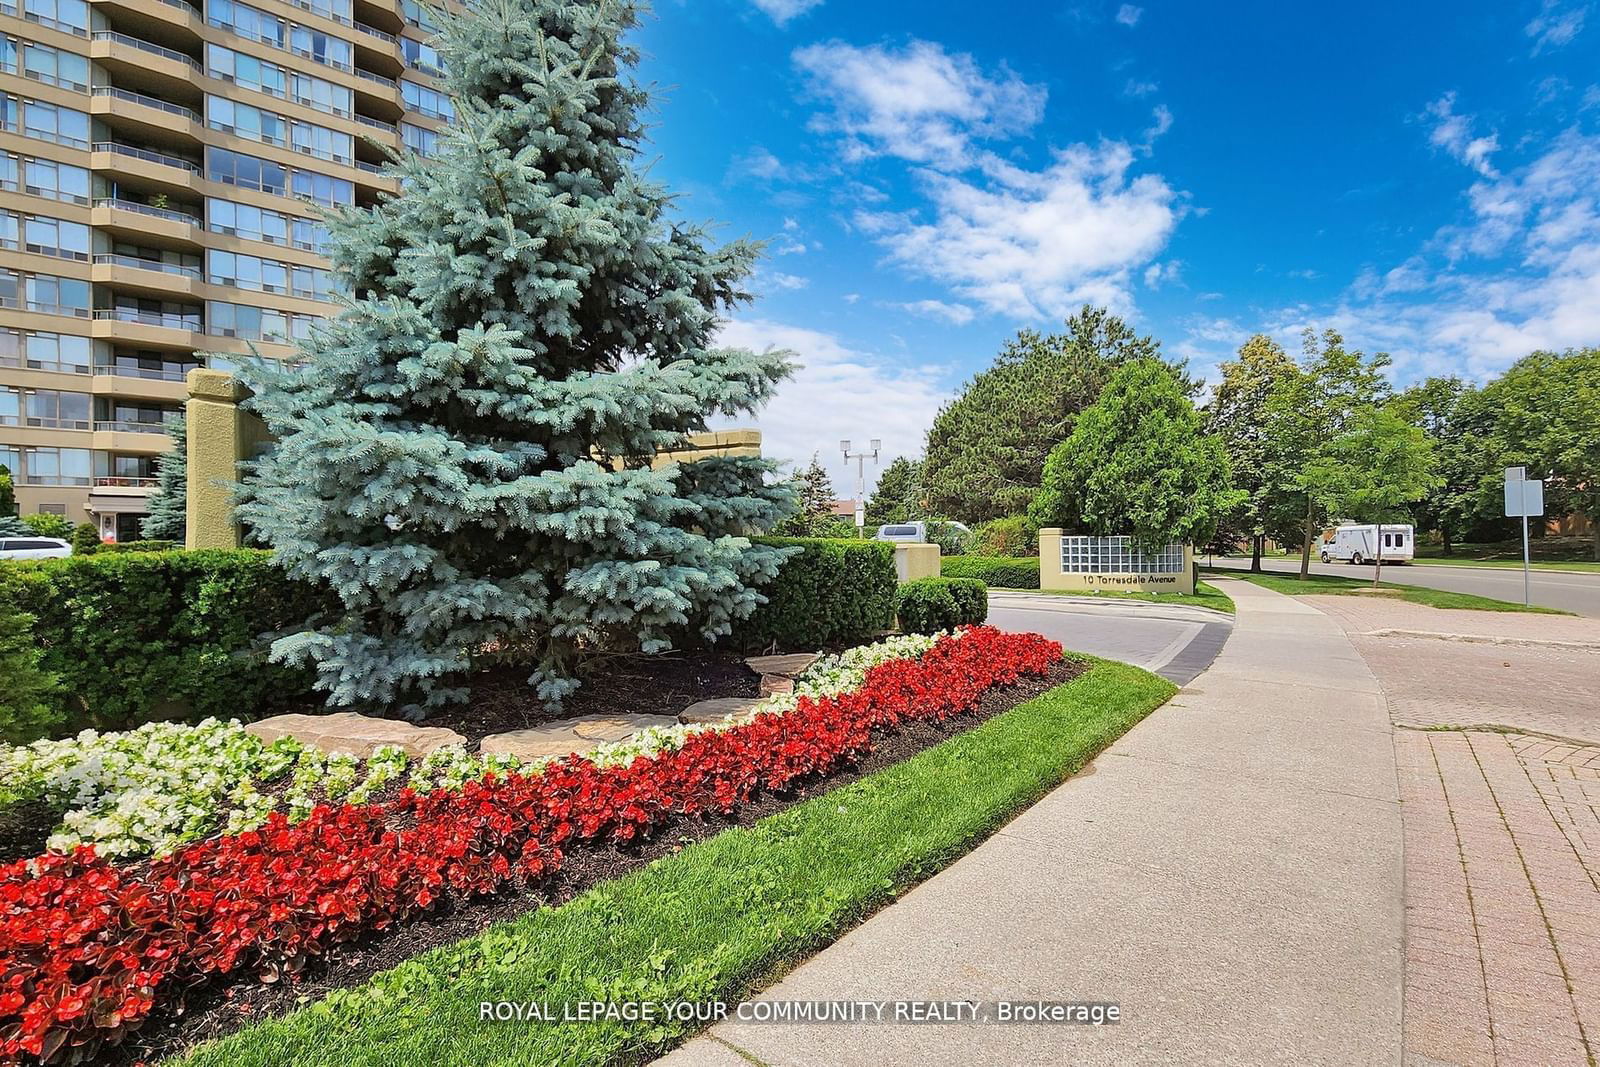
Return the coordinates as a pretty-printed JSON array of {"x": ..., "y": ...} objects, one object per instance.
[
  {"x": 256, "y": 324},
  {"x": 11, "y": 460},
  {"x": 322, "y": 188},
  {"x": 47, "y": 408},
  {"x": 246, "y": 21},
  {"x": 420, "y": 56},
  {"x": 158, "y": 257},
  {"x": 316, "y": 45},
  {"x": 426, "y": 101},
  {"x": 47, "y": 122},
  {"x": 68, "y": 16},
  {"x": 45, "y": 236},
  {"x": 153, "y": 312},
  {"x": 247, "y": 172},
  {"x": 125, "y": 470},
  {"x": 39, "y": 350},
  {"x": 418, "y": 14},
  {"x": 56, "y": 466},
  {"x": 44, "y": 293},
  {"x": 419, "y": 139},
  {"x": 152, "y": 365},
  {"x": 269, "y": 78},
  {"x": 10, "y": 112},
  {"x": 269, "y": 275},
  {"x": 44, "y": 177},
  {"x": 54, "y": 67},
  {"x": 136, "y": 417},
  {"x": 337, "y": 10},
  {"x": 247, "y": 121}
]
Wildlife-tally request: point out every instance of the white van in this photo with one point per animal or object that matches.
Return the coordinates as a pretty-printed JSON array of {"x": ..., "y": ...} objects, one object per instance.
[
  {"x": 33, "y": 548},
  {"x": 1359, "y": 544},
  {"x": 914, "y": 531}
]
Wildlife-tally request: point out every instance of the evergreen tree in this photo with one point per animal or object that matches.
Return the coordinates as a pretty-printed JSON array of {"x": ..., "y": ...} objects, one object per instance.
[
  {"x": 468, "y": 457},
  {"x": 168, "y": 518},
  {"x": 898, "y": 496},
  {"x": 815, "y": 490}
]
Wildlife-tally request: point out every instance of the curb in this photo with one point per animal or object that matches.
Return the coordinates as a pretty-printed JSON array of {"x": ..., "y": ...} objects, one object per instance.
[{"x": 1487, "y": 639}]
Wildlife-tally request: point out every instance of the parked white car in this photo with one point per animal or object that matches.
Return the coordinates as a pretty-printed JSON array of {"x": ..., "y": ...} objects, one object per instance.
[
  {"x": 33, "y": 548},
  {"x": 913, "y": 531},
  {"x": 1359, "y": 544}
]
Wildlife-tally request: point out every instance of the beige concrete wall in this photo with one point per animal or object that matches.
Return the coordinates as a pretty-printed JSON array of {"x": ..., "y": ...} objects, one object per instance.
[
  {"x": 222, "y": 435},
  {"x": 1051, "y": 576},
  {"x": 913, "y": 560}
]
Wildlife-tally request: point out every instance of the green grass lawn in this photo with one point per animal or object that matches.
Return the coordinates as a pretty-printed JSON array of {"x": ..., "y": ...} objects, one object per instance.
[
  {"x": 1322, "y": 584},
  {"x": 1508, "y": 555},
  {"x": 717, "y": 920},
  {"x": 1205, "y": 595}
]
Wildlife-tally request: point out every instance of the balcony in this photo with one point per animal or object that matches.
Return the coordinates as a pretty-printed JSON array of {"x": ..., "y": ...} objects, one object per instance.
[
  {"x": 148, "y": 264},
  {"x": 167, "y": 320},
  {"x": 140, "y": 221},
  {"x": 124, "y": 55},
  {"x": 379, "y": 124},
  {"x": 145, "y": 101},
  {"x": 120, "y": 482},
  {"x": 127, "y": 151},
  {"x": 156, "y": 329},
  {"x": 158, "y": 374},
  {"x": 373, "y": 31}
]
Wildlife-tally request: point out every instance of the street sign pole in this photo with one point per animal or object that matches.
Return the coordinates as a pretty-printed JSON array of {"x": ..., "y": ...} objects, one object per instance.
[
  {"x": 1524, "y": 498},
  {"x": 1522, "y": 493}
]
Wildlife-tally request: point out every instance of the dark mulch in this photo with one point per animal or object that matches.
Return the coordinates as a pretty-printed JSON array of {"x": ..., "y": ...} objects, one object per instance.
[
  {"x": 652, "y": 685},
  {"x": 215, "y": 1012},
  {"x": 24, "y": 828}
]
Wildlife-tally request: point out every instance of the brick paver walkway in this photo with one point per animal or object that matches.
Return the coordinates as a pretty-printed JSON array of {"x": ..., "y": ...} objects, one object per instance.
[{"x": 1502, "y": 831}]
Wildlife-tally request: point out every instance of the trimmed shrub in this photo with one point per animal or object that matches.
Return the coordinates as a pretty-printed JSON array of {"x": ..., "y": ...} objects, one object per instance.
[
  {"x": 949, "y": 538},
  {"x": 85, "y": 539},
  {"x": 140, "y": 636},
  {"x": 831, "y": 592},
  {"x": 140, "y": 546},
  {"x": 28, "y": 708},
  {"x": 1014, "y": 535},
  {"x": 998, "y": 572},
  {"x": 931, "y": 604},
  {"x": 49, "y": 525}
]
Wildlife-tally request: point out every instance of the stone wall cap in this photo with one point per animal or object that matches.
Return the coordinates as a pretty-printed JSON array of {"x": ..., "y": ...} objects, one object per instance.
[{"x": 207, "y": 384}]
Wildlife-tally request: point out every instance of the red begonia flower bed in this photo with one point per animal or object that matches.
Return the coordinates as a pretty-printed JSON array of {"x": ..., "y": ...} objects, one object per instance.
[{"x": 88, "y": 948}]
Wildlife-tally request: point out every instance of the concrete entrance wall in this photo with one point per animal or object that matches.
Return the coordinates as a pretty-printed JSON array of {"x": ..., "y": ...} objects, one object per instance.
[{"x": 1052, "y": 575}]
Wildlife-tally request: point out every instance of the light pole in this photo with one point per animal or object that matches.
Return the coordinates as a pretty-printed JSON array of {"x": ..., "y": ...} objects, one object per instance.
[{"x": 861, "y": 479}]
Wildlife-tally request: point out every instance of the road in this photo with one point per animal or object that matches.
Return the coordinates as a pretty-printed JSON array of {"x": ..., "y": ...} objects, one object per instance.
[
  {"x": 1574, "y": 591},
  {"x": 1173, "y": 641}
]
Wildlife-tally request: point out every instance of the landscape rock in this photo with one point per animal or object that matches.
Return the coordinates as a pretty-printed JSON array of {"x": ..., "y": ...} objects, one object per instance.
[
  {"x": 360, "y": 735},
  {"x": 564, "y": 737},
  {"x": 716, "y": 709},
  {"x": 772, "y": 684},
  {"x": 789, "y": 665}
]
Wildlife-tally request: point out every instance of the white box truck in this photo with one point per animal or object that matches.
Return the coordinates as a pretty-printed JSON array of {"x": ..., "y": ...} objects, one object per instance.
[{"x": 1359, "y": 544}]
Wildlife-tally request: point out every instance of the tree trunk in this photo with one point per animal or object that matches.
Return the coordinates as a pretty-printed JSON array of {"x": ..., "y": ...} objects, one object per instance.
[
  {"x": 1377, "y": 569},
  {"x": 1310, "y": 531},
  {"x": 1594, "y": 531},
  {"x": 1255, "y": 552},
  {"x": 1449, "y": 549}
]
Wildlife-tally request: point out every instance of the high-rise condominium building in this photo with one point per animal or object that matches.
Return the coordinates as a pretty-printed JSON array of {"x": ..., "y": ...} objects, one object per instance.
[{"x": 160, "y": 168}]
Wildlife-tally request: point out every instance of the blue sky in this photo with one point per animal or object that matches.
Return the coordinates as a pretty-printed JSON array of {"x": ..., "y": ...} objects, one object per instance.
[{"x": 932, "y": 176}]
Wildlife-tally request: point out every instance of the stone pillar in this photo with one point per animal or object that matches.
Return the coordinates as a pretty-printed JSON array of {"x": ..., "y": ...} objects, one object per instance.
[
  {"x": 1050, "y": 558},
  {"x": 220, "y": 436},
  {"x": 915, "y": 559}
]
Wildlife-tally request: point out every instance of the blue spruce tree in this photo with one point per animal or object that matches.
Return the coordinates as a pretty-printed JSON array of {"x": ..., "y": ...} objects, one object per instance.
[{"x": 468, "y": 455}]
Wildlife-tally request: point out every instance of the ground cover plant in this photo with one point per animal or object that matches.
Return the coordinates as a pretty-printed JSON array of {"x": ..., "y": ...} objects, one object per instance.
[
  {"x": 88, "y": 948},
  {"x": 718, "y": 919}
]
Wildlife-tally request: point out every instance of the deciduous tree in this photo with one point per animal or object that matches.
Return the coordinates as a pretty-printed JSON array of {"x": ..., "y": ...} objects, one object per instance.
[{"x": 1238, "y": 415}]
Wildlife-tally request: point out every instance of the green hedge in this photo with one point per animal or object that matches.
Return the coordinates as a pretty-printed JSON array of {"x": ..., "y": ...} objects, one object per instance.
[
  {"x": 999, "y": 572},
  {"x": 831, "y": 592},
  {"x": 928, "y": 605},
  {"x": 137, "y": 636}
]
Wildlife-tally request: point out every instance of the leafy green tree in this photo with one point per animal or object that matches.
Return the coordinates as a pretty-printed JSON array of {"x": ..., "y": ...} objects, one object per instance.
[
  {"x": 898, "y": 495},
  {"x": 8, "y": 493},
  {"x": 1238, "y": 415},
  {"x": 467, "y": 458},
  {"x": 986, "y": 448},
  {"x": 1138, "y": 462},
  {"x": 1460, "y": 422},
  {"x": 1547, "y": 417},
  {"x": 168, "y": 518},
  {"x": 49, "y": 525},
  {"x": 1305, "y": 413},
  {"x": 1374, "y": 471}
]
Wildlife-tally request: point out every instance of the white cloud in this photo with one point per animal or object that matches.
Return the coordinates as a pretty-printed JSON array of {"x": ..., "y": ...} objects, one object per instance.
[
  {"x": 851, "y": 298},
  {"x": 838, "y": 394},
  {"x": 1161, "y": 122},
  {"x": 1156, "y": 274},
  {"x": 777, "y": 279},
  {"x": 1554, "y": 26},
  {"x": 920, "y": 102},
  {"x": 957, "y": 314},
  {"x": 1454, "y": 134},
  {"x": 1128, "y": 15},
  {"x": 781, "y": 11},
  {"x": 1139, "y": 89},
  {"x": 1037, "y": 244}
]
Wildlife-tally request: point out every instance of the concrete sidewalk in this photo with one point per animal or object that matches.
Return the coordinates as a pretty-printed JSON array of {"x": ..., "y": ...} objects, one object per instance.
[{"x": 1229, "y": 872}]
